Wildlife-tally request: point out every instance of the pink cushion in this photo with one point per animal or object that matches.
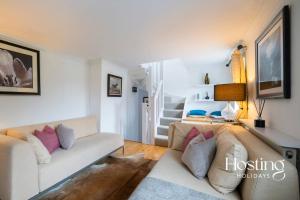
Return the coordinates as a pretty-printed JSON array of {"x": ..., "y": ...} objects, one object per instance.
[
  {"x": 48, "y": 137},
  {"x": 208, "y": 134},
  {"x": 192, "y": 133}
]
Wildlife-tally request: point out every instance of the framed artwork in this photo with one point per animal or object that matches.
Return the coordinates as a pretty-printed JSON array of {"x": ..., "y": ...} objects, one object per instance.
[
  {"x": 19, "y": 69},
  {"x": 273, "y": 63},
  {"x": 114, "y": 86}
]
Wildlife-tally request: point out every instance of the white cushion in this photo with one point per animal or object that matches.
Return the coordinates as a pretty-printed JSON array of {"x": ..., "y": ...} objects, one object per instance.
[
  {"x": 85, "y": 151},
  {"x": 223, "y": 175},
  {"x": 42, "y": 154}
]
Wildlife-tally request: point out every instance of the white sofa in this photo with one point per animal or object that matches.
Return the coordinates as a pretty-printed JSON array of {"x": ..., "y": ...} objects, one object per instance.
[
  {"x": 21, "y": 177},
  {"x": 171, "y": 169}
]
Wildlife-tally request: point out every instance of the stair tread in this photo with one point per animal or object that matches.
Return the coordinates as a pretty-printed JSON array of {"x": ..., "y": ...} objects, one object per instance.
[
  {"x": 175, "y": 102},
  {"x": 179, "y": 110},
  {"x": 174, "y": 110},
  {"x": 172, "y": 118},
  {"x": 161, "y": 141},
  {"x": 163, "y": 126},
  {"x": 174, "y": 106},
  {"x": 162, "y": 137}
]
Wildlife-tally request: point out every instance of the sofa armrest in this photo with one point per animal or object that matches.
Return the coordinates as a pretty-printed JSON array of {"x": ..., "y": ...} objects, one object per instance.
[{"x": 18, "y": 169}]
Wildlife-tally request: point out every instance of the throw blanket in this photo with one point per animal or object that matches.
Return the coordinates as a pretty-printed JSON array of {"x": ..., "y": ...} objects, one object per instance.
[{"x": 157, "y": 189}]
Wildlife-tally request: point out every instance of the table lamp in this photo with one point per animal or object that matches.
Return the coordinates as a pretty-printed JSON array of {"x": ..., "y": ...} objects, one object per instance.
[{"x": 229, "y": 92}]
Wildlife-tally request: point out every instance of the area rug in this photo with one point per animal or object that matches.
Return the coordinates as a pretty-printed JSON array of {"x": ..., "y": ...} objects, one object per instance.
[{"x": 114, "y": 179}]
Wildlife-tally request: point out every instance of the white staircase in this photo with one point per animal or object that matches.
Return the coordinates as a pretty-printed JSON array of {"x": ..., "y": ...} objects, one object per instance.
[
  {"x": 164, "y": 109},
  {"x": 173, "y": 109}
]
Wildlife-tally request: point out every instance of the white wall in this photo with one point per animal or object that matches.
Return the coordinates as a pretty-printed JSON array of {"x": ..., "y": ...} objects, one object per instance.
[
  {"x": 111, "y": 112},
  {"x": 180, "y": 77},
  {"x": 95, "y": 89},
  {"x": 113, "y": 109},
  {"x": 186, "y": 80},
  {"x": 64, "y": 93},
  {"x": 281, "y": 114}
]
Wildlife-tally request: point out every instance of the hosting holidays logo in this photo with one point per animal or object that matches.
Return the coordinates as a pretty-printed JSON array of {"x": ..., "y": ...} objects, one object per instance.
[{"x": 261, "y": 168}]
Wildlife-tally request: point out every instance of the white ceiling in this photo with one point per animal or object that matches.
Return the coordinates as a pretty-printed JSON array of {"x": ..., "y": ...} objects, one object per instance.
[{"x": 131, "y": 32}]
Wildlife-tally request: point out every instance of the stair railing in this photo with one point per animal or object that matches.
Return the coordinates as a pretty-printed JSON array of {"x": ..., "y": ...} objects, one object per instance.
[
  {"x": 157, "y": 106},
  {"x": 155, "y": 88}
]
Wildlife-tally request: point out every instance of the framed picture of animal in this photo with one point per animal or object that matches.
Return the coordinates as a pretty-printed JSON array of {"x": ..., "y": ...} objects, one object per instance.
[
  {"x": 19, "y": 69},
  {"x": 114, "y": 86}
]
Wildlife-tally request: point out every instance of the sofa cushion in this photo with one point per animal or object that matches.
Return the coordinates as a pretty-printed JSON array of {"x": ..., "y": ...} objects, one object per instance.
[
  {"x": 197, "y": 113},
  {"x": 223, "y": 175},
  {"x": 178, "y": 132},
  {"x": 85, "y": 151},
  {"x": 66, "y": 136},
  {"x": 191, "y": 135},
  {"x": 207, "y": 135},
  {"x": 83, "y": 127},
  {"x": 42, "y": 154},
  {"x": 48, "y": 137},
  {"x": 199, "y": 155},
  {"x": 22, "y": 132},
  {"x": 170, "y": 168}
]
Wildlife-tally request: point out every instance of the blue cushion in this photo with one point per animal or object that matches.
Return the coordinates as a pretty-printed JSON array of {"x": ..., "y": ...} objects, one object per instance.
[
  {"x": 197, "y": 112},
  {"x": 216, "y": 113}
]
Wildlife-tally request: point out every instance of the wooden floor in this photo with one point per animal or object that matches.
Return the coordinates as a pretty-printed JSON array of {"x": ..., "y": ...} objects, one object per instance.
[{"x": 151, "y": 152}]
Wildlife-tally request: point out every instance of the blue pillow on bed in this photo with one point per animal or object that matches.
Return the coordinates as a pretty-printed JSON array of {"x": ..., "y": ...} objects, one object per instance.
[
  {"x": 197, "y": 112},
  {"x": 216, "y": 113}
]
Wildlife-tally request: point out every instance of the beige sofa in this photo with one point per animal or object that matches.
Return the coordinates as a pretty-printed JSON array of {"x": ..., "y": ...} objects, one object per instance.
[
  {"x": 21, "y": 177},
  {"x": 170, "y": 168}
]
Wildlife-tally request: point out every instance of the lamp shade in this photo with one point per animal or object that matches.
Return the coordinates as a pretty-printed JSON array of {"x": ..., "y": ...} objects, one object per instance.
[{"x": 230, "y": 92}]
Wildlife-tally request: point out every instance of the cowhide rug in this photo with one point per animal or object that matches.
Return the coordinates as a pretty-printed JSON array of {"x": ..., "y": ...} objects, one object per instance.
[{"x": 115, "y": 179}]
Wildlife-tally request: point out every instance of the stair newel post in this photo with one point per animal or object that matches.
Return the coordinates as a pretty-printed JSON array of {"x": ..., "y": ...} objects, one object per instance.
[
  {"x": 153, "y": 118},
  {"x": 162, "y": 96},
  {"x": 156, "y": 100}
]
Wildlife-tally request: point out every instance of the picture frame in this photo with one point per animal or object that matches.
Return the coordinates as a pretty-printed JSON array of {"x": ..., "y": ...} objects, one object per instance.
[
  {"x": 273, "y": 62},
  {"x": 145, "y": 99},
  {"x": 114, "y": 86},
  {"x": 19, "y": 69}
]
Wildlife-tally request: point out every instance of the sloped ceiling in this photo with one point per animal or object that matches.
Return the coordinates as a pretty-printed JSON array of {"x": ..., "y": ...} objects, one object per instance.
[{"x": 131, "y": 32}]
